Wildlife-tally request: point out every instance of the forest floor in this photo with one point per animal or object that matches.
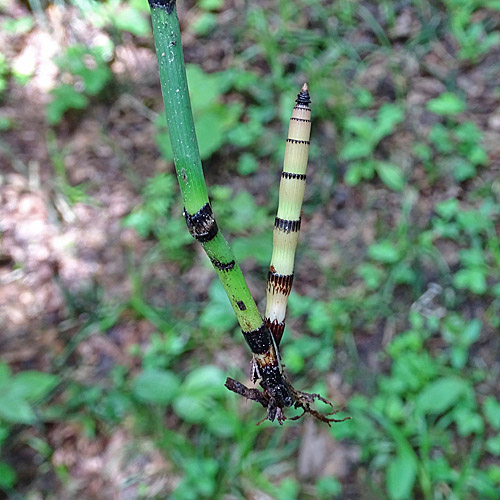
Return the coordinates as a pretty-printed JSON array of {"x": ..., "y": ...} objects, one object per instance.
[{"x": 70, "y": 267}]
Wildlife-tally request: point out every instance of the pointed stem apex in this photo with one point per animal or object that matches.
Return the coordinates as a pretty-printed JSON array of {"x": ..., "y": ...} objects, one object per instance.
[{"x": 303, "y": 98}]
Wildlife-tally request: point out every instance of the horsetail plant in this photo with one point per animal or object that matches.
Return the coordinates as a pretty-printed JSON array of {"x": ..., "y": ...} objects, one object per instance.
[
  {"x": 287, "y": 222},
  {"x": 277, "y": 393}
]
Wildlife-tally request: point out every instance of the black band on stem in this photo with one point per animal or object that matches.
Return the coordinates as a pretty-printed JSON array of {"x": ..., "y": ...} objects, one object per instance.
[
  {"x": 223, "y": 266},
  {"x": 291, "y": 175},
  {"x": 202, "y": 225},
  {"x": 303, "y": 98},
  {"x": 258, "y": 340},
  {"x": 281, "y": 283},
  {"x": 167, "y": 5},
  {"x": 288, "y": 226}
]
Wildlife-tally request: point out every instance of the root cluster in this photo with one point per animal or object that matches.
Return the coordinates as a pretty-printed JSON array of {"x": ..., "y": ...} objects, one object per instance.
[{"x": 302, "y": 400}]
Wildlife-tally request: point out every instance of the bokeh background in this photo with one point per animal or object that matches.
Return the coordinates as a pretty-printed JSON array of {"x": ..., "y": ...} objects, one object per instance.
[{"x": 115, "y": 336}]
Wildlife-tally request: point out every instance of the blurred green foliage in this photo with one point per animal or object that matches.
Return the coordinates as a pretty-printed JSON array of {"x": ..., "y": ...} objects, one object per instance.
[
  {"x": 429, "y": 426},
  {"x": 87, "y": 67},
  {"x": 363, "y": 136}
]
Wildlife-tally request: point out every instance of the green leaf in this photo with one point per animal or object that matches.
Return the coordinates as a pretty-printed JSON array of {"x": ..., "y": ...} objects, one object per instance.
[
  {"x": 209, "y": 132},
  {"x": 299, "y": 304},
  {"x": 493, "y": 445},
  {"x": 222, "y": 423},
  {"x": 245, "y": 134},
  {"x": 355, "y": 149},
  {"x": 440, "y": 395},
  {"x": 400, "y": 476},
  {"x": 384, "y": 252},
  {"x": 256, "y": 246},
  {"x": 205, "y": 379},
  {"x": 319, "y": 319},
  {"x": 211, "y": 4},
  {"x": 472, "y": 331},
  {"x": 19, "y": 25},
  {"x": 473, "y": 221},
  {"x": 363, "y": 96},
  {"x": 196, "y": 400},
  {"x": 494, "y": 473},
  {"x": 447, "y": 209},
  {"x": 218, "y": 313},
  {"x": 32, "y": 385},
  {"x": 192, "y": 409},
  {"x": 391, "y": 175},
  {"x": 8, "y": 476},
  {"x": 491, "y": 408},
  {"x": 64, "y": 97},
  {"x": 129, "y": 19},
  {"x": 422, "y": 151},
  {"x": 472, "y": 257},
  {"x": 472, "y": 279},
  {"x": 477, "y": 155},
  {"x": 468, "y": 422},
  {"x": 4, "y": 374},
  {"x": 95, "y": 79},
  {"x": 462, "y": 169},
  {"x": 388, "y": 116},
  {"x": 288, "y": 489},
  {"x": 440, "y": 136},
  {"x": 328, "y": 487},
  {"x": 156, "y": 386},
  {"x": 247, "y": 164},
  {"x": 16, "y": 410},
  {"x": 353, "y": 175},
  {"x": 360, "y": 125},
  {"x": 362, "y": 169},
  {"x": 293, "y": 358},
  {"x": 446, "y": 104},
  {"x": 204, "y": 88},
  {"x": 468, "y": 132},
  {"x": 205, "y": 23}
]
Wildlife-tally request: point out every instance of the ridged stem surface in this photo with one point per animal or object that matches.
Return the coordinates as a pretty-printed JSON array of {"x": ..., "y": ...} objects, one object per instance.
[
  {"x": 287, "y": 223},
  {"x": 198, "y": 212}
]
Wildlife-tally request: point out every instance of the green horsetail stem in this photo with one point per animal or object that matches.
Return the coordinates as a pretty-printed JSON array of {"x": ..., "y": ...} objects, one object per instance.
[
  {"x": 197, "y": 209},
  {"x": 287, "y": 223}
]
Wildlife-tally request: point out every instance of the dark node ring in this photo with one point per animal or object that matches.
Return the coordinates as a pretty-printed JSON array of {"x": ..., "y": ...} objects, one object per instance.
[
  {"x": 292, "y": 175},
  {"x": 280, "y": 282},
  {"x": 202, "y": 225},
  {"x": 288, "y": 226},
  {"x": 168, "y": 5},
  {"x": 223, "y": 266},
  {"x": 259, "y": 340},
  {"x": 277, "y": 329},
  {"x": 297, "y": 141},
  {"x": 303, "y": 98}
]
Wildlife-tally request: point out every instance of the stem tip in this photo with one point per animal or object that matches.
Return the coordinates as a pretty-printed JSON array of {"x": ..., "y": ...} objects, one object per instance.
[{"x": 303, "y": 98}]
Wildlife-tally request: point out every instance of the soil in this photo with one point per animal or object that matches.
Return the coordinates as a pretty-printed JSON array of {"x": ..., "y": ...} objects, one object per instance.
[{"x": 62, "y": 260}]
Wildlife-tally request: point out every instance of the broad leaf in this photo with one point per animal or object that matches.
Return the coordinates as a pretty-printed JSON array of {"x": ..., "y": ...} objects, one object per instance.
[
  {"x": 441, "y": 395},
  {"x": 400, "y": 476},
  {"x": 446, "y": 104},
  {"x": 32, "y": 385},
  {"x": 156, "y": 386},
  {"x": 16, "y": 410},
  {"x": 391, "y": 175},
  {"x": 384, "y": 252}
]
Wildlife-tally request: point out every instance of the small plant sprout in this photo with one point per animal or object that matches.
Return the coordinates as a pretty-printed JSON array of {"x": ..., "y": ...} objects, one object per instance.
[{"x": 262, "y": 335}]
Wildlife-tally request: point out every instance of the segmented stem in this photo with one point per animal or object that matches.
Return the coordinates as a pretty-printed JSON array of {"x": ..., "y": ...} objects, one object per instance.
[
  {"x": 287, "y": 222},
  {"x": 198, "y": 212}
]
